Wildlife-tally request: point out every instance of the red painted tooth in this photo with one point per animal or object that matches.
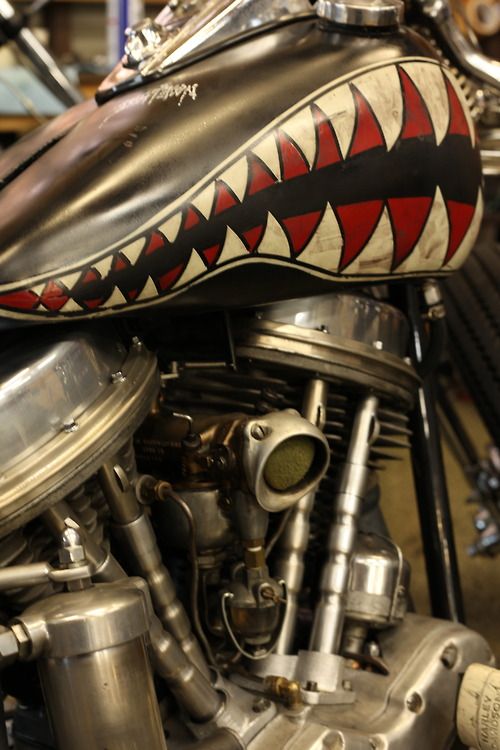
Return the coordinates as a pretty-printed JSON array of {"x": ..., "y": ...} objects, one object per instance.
[
  {"x": 90, "y": 276},
  {"x": 300, "y": 229},
  {"x": 460, "y": 216},
  {"x": 328, "y": 151},
  {"x": 25, "y": 300},
  {"x": 417, "y": 121},
  {"x": 408, "y": 218},
  {"x": 168, "y": 279},
  {"x": 260, "y": 177},
  {"x": 358, "y": 222},
  {"x": 224, "y": 198},
  {"x": 458, "y": 121},
  {"x": 93, "y": 303},
  {"x": 53, "y": 296},
  {"x": 120, "y": 263},
  {"x": 192, "y": 218},
  {"x": 252, "y": 237},
  {"x": 367, "y": 132},
  {"x": 156, "y": 241},
  {"x": 294, "y": 163},
  {"x": 211, "y": 254}
]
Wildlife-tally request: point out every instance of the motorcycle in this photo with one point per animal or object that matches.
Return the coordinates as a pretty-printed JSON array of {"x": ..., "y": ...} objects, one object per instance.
[{"x": 220, "y": 317}]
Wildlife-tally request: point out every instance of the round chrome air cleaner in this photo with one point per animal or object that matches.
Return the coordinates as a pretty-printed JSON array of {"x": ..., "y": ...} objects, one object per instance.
[
  {"x": 66, "y": 406},
  {"x": 343, "y": 337}
]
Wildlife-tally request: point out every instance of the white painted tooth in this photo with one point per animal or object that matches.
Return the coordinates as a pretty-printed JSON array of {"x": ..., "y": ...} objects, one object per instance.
[
  {"x": 458, "y": 90},
  {"x": 430, "y": 250},
  {"x": 428, "y": 78},
  {"x": 194, "y": 268},
  {"x": 38, "y": 289},
  {"x": 267, "y": 151},
  {"x": 339, "y": 107},
  {"x": 302, "y": 130},
  {"x": 204, "y": 201},
  {"x": 116, "y": 299},
  {"x": 470, "y": 237},
  {"x": 274, "y": 241},
  {"x": 103, "y": 266},
  {"x": 150, "y": 291},
  {"x": 233, "y": 247},
  {"x": 382, "y": 90},
  {"x": 324, "y": 249},
  {"x": 236, "y": 177},
  {"x": 70, "y": 279},
  {"x": 171, "y": 227},
  {"x": 71, "y": 306},
  {"x": 132, "y": 251},
  {"x": 376, "y": 256}
]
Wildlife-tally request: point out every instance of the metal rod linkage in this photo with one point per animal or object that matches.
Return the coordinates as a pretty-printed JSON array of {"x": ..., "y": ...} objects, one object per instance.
[{"x": 329, "y": 615}]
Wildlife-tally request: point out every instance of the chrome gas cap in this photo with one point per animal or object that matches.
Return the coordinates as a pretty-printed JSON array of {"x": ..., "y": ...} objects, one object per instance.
[{"x": 371, "y": 13}]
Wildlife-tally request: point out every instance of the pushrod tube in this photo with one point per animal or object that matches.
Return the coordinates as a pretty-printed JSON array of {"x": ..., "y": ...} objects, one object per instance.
[
  {"x": 430, "y": 487},
  {"x": 134, "y": 529},
  {"x": 293, "y": 543},
  {"x": 329, "y": 615}
]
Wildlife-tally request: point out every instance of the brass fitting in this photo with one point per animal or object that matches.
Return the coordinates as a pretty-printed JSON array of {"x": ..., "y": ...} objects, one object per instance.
[{"x": 284, "y": 690}]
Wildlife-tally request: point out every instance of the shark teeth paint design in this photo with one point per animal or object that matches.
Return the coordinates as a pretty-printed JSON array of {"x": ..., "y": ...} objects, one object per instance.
[
  {"x": 171, "y": 227},
  {"x": 233, "y": 247},
  {"x": 378, "y": 109},
  {"x": 378, "y": 253},
  {"x": 71, "y": 306},
  {"x": 339, "y": 106},
  {"x": 104, "y": 266},
  {"x": 324, "y": 250},
  {"x": 301, "y": 129},
  {"x": 132, "y": 251},
  {"x": 382, "y": 91},
  {"x": 267, "y": 151},
  {"x": 430, "y": 83},
  {"x": 236, "y": 178},
  {"x": 469, "y": 238},
  {"x": 205, "y": 200},
  {"x": 274, "y": 241},
  {"x": 117, "y": 299},
  {"x": 194, "y": 268},
  {"x": 430, "y": 250},
  {"x": 458, "y": 90},
  {"x": 149, "y": 291}
]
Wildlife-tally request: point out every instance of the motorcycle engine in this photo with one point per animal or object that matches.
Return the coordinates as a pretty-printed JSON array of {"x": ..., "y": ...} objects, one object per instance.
[{"x": 215, "y": 519}]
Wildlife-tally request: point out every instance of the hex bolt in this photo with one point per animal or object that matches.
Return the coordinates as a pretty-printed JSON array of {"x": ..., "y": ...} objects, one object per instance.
[
  {"x": 414, "y": 703},
  {"x": 117, "y": 377},
  {"x": 70, "y": 426},
  {"x": 449, "y": 656}
]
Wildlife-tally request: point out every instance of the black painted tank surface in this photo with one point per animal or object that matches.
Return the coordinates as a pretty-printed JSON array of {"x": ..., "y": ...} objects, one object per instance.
[{"x": 277, "y": 167}]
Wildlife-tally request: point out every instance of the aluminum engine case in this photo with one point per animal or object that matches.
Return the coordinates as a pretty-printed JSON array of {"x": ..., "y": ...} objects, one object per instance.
[{"x": 411, "y": 708}]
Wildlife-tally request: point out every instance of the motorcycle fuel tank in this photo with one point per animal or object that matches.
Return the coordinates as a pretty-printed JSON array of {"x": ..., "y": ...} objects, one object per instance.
[{"x": 283, "y": 163}]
